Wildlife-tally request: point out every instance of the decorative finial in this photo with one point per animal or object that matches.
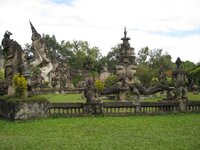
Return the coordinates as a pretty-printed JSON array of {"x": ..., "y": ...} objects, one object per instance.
[
  {"x": 125, "y": 32},
  {"x": 7, "y": 34},
  {"x": 32, "y": 27},
  {"x": 178, "y": 62}
]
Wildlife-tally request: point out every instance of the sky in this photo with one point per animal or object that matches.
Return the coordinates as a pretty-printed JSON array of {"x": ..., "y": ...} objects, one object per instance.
[{"x": 171, "y": 25}]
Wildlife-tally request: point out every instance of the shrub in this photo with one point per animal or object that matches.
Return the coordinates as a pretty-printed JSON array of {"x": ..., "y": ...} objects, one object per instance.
[
  {"x": 20, "y": 85},
  {"x": 99, "y": 84},
  {"x": 110, "y": 81}
]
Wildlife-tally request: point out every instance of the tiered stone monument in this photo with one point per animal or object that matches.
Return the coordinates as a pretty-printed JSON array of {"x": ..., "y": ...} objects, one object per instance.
[{"x": 126, "y": 67}]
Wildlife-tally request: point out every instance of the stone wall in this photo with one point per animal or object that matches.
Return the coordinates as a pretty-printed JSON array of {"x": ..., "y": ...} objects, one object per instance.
[{"x": 24, "y": 110}]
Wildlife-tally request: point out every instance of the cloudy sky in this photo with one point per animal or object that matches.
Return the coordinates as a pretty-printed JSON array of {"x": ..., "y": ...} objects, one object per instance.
[{"x": 173, "y": 25}]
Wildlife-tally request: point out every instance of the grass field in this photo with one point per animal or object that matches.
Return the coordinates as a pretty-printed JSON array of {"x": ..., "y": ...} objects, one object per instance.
[
  {"x": 166, "y": 132},
  {"x": 53, "y": 98}
]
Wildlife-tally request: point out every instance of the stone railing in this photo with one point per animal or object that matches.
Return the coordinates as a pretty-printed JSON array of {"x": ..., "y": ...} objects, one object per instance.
[
  {"x": 54, "y": 91},
  {"x": 33, "y": 110},
  {"x": 121, "y": 108}
]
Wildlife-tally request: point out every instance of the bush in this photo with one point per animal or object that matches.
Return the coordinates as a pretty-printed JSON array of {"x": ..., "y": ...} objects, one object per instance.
[
  {"x": 99, "y": 84},
  {"x": 110, "y": 81},
  {"x": 20, "y": 85}
]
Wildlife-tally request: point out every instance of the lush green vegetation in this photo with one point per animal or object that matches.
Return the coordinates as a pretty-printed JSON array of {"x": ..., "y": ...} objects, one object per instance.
[{"x": 180, "y": 131}]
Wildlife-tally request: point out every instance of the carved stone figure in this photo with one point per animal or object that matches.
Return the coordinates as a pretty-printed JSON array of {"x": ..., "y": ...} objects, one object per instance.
[
  {"x": 40, "y": 54},
  {"x": 126, "y": 67},
  {"x": 179, "y": 80},
  {"x": 89, "y": 91},
  {"x": 104, "y": 73},
  {"x": 13, "y": 60},
  {"x": 126, "y": 70}
]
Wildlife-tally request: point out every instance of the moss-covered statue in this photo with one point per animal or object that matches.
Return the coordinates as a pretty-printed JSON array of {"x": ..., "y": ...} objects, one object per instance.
[
  {"x": 13, "y": 60},
  {"x": 179, "y": 79},
  {"x": 90, "y": 90}
]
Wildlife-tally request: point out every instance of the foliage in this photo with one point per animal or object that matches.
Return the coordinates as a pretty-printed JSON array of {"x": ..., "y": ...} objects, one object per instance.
[
  {"x": 143, "y": 54},
  {"x": 111, "y": 80},
  {"x": 20, "y": 85},
  {"x": 99, "y": 84},
  {"x": 2, "y": 76},
  {"x": 154, "y": 81},
  {"x": 195, "y": 74},
  {"x": 145, "y": 75},
  {"x": 182, "y": 131},
  {"x": 112, "y": 57},
  {"x": 76, "y": 79}
]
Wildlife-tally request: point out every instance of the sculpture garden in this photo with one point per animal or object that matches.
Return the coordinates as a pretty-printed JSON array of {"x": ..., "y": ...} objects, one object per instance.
[{"x": 40, "y": 85}]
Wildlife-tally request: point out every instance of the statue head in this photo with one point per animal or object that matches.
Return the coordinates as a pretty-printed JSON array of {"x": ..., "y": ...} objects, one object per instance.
[
  {"x": 7, "y": 34},
  {"x": 178, "y": 63},
  {"x": 35, "y": 34},
  {"x": 126, "y": 71}
]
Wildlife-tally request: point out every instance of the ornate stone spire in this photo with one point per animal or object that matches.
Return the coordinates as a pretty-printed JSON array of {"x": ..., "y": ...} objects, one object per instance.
[
  {"x": 127, "y": 54},
  {"x": 32, "y": 27}
]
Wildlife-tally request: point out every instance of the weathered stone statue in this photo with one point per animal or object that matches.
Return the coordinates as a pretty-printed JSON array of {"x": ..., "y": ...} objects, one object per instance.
[
  {"x": 179, "y": 80},
  {"x": 89, "y": 91},
  {"x": 126, "y": 70},
  {"x": 104, "y": 73},
  {"x": 126, "y": 67},
  {"x": 40, "y": 54},
  {"x": 13, "y": 60},
  {"x": 92, "y": 105}
]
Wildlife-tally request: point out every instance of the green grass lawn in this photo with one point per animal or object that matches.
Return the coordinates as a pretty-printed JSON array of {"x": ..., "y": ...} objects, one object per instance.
[{"x": 165, "y": 132}]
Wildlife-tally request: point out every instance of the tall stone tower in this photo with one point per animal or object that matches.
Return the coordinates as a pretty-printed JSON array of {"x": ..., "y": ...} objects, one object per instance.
[{"x": 126, "y": 67}]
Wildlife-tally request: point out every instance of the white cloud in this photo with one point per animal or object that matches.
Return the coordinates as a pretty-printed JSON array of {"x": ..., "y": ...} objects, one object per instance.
[{"x": 101, "y": 22}]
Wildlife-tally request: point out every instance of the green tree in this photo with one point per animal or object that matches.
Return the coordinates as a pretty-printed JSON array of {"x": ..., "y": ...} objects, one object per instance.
[
  {"x": 195, "y": 75},
  {"x": 112, "y": 57},
  {"x": 143, "y": 54}
]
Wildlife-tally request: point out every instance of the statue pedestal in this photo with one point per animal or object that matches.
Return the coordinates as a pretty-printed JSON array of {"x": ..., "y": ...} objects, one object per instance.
[
  {"x": 182, "y": 105},
  {"x": 93, "y": 108},
  {"x": 123, "y": 95},
  {"x": 11, "y": 90}
]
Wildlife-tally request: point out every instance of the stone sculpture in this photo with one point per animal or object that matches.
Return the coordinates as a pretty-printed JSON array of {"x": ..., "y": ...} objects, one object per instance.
[
  {"x": 179, "y": 79},
  {"x": 40, "y": 54},
  {"x": 13, "y": 60},
  {"x": 89, "y": 91},
  {"x": 126, "y": 70},
  {"x": 126, "y": 67}
]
